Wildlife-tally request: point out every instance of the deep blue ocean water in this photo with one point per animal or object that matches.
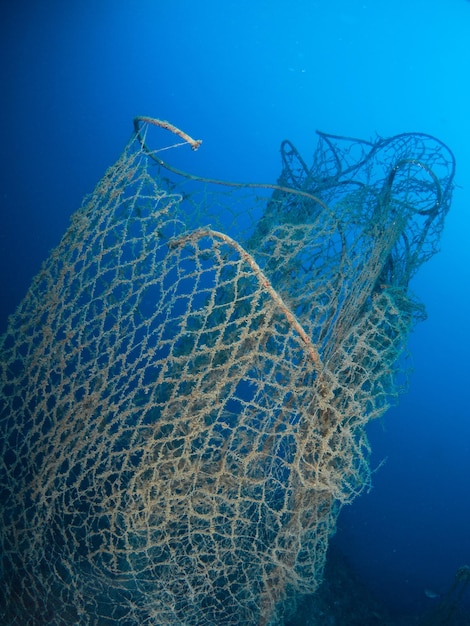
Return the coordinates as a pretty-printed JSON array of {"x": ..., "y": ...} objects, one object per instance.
[{"x": 243, "y": 76}]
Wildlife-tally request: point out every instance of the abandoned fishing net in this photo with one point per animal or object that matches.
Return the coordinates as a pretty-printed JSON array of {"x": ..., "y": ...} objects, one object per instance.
[{"x": 186, "y": 385}]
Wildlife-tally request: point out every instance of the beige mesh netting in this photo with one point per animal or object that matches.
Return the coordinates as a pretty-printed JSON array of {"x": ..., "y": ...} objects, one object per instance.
[{"x": 185, "y": 387}]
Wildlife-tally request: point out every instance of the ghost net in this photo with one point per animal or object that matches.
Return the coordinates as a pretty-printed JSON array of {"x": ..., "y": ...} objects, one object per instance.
[{"x": 185, "y": 387}]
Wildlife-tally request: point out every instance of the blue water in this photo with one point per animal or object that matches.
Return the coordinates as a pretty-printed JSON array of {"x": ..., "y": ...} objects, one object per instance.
[{"x": 243, "y": 76}]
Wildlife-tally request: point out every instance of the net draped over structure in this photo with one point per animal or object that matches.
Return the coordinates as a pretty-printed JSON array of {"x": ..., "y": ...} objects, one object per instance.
[{"x": 185, "y": 386}]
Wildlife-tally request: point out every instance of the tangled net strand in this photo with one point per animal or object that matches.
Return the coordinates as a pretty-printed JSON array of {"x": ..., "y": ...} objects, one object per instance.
[{"x": 185, "y": 387}]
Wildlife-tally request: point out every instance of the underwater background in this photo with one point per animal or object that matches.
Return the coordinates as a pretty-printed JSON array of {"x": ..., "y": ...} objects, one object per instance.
[{"x": 242, "y": 76}]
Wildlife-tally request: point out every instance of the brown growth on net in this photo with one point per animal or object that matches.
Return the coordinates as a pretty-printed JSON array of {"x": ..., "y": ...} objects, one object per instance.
[
  {"x": 263, "y": 281},
  {"x": 185, "y": 387}
]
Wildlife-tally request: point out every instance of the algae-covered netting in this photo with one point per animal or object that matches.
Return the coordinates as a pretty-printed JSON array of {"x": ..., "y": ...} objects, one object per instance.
[{"x": 185, "y": 387}]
